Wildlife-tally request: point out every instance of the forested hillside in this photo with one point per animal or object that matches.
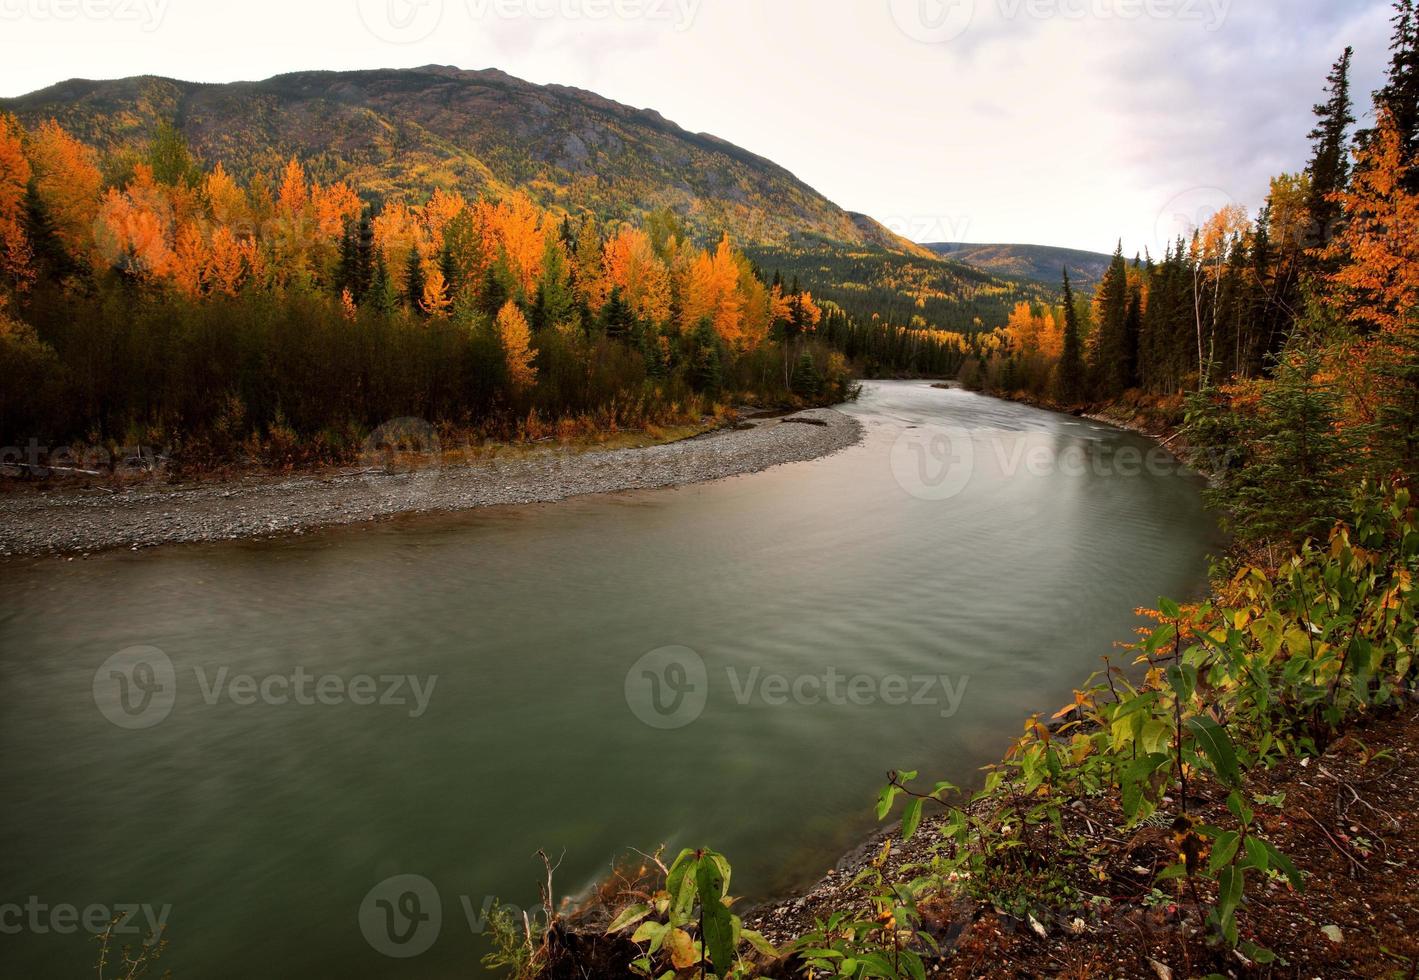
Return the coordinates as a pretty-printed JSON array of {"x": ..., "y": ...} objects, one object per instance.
[
  {"x": 1039, "y": 263},
  {"x": 406, "y": 133}
]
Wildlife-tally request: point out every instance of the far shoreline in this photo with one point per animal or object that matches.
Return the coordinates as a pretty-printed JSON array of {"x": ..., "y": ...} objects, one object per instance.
[{"x": 72, "y": 522}]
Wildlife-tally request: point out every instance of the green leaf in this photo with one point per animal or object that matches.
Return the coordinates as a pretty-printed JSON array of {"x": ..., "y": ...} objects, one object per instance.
[
  {"x": 678, "y": 867},
  {"x": 885, "y": 799},
  {"x": 1230, "y": 882},
  {"x": 1163, "y": 634},
  {"x": 718, "y": 923},
  {"x": 1223, "y": 850},
  {"x": 1183, "y": 680},
  {"x": 1257, "y": 856},
  {"x": 1171, "y": 871},
  {"x": 757, "y": 940},
  {"x": 911, "y": 819},
  {"x": 652, "y": 931},
  {"x": 1135, "y": 780},
  {"x": 1217, "y": 744},
  {"x": 1169, "y": 608},
  {"x": 628, "y": 915}
]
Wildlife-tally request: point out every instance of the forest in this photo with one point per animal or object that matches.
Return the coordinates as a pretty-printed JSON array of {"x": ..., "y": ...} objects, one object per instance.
[
  {"x": 150, "y": 299},
  {"x": 1286, "y": 341}
]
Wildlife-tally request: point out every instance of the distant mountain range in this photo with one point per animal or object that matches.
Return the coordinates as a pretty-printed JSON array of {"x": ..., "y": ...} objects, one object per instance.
[
  {"x": 1040, "y": 263},
  {"x": 408, "y": 131}
]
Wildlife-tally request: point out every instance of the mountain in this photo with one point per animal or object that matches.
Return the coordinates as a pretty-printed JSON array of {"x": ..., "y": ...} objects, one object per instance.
[
  {"x": 1040, "y": 263},
  {"x": 405, "y": 132}
]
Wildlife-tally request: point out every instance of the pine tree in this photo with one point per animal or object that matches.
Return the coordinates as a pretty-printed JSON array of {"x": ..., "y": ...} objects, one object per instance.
[
  {"x": 1330, "y": 161},
  {"x": 1070, "y": 383}
]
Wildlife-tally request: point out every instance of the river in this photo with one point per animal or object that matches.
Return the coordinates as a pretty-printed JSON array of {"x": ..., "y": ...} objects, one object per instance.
[{"x": 262, "y": 741}]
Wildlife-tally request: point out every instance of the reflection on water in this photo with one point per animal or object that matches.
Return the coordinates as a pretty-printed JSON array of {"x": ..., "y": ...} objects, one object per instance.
[{"x": 735, "y": 664}]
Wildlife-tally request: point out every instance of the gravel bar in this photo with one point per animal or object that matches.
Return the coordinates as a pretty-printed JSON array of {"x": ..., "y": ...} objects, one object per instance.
[{"x": 77, "y": 521}]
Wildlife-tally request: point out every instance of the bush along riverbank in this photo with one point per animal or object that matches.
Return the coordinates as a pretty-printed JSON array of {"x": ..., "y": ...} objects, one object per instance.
[{"x": 1237, "y": 803}]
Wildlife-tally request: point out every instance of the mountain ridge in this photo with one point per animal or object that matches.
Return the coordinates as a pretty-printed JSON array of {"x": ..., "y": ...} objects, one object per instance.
[
  {"x": 1037, "y": 263},
  {"x": 407, "y": 131}
]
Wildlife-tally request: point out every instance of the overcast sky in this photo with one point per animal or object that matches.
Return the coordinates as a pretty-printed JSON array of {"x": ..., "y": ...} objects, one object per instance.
[{"x": 1062, "y": 122}]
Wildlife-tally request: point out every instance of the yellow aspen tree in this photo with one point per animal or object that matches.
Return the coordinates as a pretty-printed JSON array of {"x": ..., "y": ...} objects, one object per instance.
[{"x": 516, "y": 341}]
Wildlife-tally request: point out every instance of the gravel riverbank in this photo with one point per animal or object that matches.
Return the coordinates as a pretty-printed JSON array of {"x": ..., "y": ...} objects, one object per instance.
[{"x": 78, "y": 521}]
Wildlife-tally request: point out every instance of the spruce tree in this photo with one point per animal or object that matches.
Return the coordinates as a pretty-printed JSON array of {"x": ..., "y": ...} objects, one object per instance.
[
  {"x": 807, "y": 383},
  {"x": 1111, "y": 368},
  {"x": 707, "y": 370},
  {"x": 382, "y": 288},
  {"x": 414, "y": 281},
  {"x": 616, "y": 317},
  {"x": 1330, "y": 160},
  {"x": 1070, "y": 383},
  {"x": 1400, "y": 94}
]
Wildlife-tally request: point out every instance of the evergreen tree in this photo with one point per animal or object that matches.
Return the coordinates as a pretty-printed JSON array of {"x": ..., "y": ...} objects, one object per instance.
[
  {"x": 807, "y": 383},
  {"x": 51, "y": 258},
  {"x": 617, "y": 319},
  {"x": 497, "y": 287},
  {"x": 414, "y": 280},
  {"x": 1400, "y": 94},
  {"x": 554, "y": 301},
  {"x": 1112, "y": 365},
  {"x": 448, "y": 269},
  {"x": 1292, "y": 484},
  {"x": 382, "y": 288},
  {"x": 1330, "y": 161},
  {"x": 171, "y": 159},
  {"x": 1070, "y": 383},
  {"x": 708, "y": 372}
]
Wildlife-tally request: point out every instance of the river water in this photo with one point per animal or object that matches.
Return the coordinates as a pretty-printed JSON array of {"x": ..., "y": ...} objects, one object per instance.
[{"x": 318, "y": 756}]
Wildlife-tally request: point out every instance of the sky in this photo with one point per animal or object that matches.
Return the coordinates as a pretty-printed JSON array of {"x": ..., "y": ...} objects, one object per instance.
[{"x": 1055, "y": 122}]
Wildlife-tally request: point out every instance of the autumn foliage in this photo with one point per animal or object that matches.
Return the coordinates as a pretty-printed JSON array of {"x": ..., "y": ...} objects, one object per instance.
[{"x": 181, "y": 301}]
